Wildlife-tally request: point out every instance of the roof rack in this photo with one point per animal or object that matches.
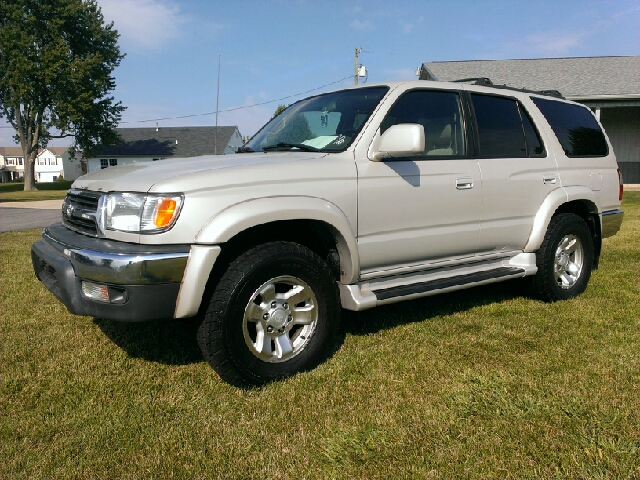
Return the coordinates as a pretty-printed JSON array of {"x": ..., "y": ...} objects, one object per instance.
[
  {"x": 476, "y": 81},
  {"x": 486, "y": 82}
]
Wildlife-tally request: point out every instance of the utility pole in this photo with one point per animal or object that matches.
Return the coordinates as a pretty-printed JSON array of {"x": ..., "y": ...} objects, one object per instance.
[
  {"x": 355, "y": 76},
  {"x": 215, "y": 136}
]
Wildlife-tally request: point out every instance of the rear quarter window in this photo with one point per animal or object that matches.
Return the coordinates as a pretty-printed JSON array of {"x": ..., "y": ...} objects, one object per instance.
[{"x": 575, "y": 127}]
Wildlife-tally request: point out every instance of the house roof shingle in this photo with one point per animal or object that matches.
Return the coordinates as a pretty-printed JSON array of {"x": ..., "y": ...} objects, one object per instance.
[
  {"x": 169, "y": 141},
  {"x": 17, "y": 151},
  {"x": 573, "y": 77}
]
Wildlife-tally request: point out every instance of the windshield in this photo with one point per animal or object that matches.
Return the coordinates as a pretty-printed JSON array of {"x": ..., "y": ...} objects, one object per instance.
[{"x": 325, "y": 123}]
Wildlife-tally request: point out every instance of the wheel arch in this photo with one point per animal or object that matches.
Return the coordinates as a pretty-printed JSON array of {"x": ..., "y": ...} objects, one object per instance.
[
  {"x": 580, "y": 201},
  {"x": 314, "y": 222}
]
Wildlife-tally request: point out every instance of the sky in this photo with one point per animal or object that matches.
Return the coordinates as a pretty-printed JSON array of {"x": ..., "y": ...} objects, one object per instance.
[{"x": 274, "y": 52}]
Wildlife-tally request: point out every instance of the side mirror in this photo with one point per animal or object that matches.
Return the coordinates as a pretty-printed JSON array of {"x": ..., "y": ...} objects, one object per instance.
[{"x": 400, "y": 140}]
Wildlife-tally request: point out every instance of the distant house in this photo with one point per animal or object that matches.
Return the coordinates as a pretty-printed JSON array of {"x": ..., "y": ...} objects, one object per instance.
[
  {"x": 610, "y": 86},
  {"x": 50, "y": 164},
  {"x": 151, "y": 144}
]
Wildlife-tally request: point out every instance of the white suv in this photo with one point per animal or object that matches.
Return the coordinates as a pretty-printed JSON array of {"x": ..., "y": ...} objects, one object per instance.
[{"x": 351, "y": 199}]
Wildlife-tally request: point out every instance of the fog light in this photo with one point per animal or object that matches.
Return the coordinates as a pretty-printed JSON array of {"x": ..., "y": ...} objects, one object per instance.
[{"x": 93, "y": 291}]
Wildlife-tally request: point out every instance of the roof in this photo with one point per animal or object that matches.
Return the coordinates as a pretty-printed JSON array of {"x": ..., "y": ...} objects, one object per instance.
[
  {"x": 169, "y": 141},
  {"x": 17, "y": 151},
  {"x": 576, "y": 77}
]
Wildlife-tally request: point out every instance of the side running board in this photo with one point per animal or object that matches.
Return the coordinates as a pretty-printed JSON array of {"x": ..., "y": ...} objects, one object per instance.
[
  {"x": 384, "y": 290},
  {"x": 458, "y": 280}
]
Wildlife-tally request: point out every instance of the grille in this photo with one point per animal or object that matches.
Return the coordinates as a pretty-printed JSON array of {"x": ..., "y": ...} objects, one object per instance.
[{"x": 79, "y": 211}]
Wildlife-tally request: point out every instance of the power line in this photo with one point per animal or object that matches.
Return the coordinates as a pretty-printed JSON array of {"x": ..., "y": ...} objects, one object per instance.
[
  {"x": 230, "y": 109},
  {"x": 239, "y": 108}
]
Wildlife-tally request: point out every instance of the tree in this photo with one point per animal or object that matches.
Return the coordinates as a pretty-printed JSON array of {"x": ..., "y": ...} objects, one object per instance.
[
  {"x": 279, "y": 109},
  {"x": 56, "y": 59}
]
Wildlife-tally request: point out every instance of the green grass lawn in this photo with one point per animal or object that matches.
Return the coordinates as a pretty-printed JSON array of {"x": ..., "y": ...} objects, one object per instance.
[
  {"x": 14, "y": 192},
  {"x": 483, "y": 383}
]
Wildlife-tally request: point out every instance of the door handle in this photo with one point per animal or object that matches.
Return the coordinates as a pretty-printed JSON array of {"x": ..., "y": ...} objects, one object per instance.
[
  {"x": 548, "y": 178},
  {"x": 464, "y": 183}
]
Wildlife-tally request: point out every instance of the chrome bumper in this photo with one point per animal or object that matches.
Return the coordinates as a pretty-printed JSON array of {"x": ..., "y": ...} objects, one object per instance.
[
  {"x": 124, "y": 268},
  {"x": 143, "y": 281},
  {"x": 611, "y": 222}
]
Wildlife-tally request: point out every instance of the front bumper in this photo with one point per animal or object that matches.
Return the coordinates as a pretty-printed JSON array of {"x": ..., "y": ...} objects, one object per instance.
[{"x": 143, "y": 281}]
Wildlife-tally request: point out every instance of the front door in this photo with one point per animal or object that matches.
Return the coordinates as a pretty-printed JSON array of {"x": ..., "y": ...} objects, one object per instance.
[{"x": 421, "y": 210}]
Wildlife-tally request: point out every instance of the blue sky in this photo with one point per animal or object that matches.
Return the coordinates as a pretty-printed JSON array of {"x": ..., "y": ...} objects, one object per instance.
[{"x": 273, "y": 49}]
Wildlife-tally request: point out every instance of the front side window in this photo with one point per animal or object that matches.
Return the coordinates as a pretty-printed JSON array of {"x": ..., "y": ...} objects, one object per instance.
[
  {"x": 439, "y": 113},
  {"x": 575, "y": 127},
  {"x": 104, "y": 163},
  {"x": 324, "y": 123}
]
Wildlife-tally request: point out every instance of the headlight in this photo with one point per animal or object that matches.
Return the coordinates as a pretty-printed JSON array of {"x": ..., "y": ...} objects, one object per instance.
[{"x": 138, "y": 212}]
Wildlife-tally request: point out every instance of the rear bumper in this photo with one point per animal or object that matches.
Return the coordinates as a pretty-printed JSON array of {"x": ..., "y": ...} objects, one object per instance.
[
  {"x": 611, "y": 222},
  {"x": 143, "y": 281}
]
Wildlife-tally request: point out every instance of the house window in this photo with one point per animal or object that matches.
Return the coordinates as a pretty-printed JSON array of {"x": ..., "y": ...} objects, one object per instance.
[
  {"x": 42, "y": 161},
  {"x": 108, "y": 162},
  {"x": 10, "y": 161},
  {"x": 20, "y": 161}
]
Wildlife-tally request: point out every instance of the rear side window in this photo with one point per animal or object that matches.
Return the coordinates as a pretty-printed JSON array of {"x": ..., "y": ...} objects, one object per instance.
[
  {"x": 500, "y": 130},
  {"x": 575, "y": 127}
]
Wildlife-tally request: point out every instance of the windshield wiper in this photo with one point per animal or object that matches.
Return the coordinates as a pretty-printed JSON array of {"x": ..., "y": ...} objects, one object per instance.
[
  {"x": 287, "y": 146},
  {"x": 245, "y": 150}
]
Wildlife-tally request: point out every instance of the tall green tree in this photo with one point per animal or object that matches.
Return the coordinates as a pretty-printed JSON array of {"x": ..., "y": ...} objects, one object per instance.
[
  {"x": 56, "y": 60},
  {"x": 279, "y": 109}
]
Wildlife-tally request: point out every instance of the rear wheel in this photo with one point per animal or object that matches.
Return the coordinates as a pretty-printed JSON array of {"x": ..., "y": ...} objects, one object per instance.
[
  {"x": 564, "y": 259},
  {"x": 274, "y": 313}
]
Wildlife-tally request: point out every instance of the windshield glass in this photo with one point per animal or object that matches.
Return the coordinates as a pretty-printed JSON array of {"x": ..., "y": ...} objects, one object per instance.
[{"x": 325, "y": 123}]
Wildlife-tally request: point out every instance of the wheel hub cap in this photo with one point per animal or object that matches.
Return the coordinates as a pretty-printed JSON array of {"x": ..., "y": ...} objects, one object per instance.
[
  {"x": 280, "y": 318},
  {"x": 569, "y": 260}
]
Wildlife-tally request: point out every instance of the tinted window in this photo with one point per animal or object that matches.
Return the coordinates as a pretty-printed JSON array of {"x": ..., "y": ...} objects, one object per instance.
[
  {"x": 575, "y": 127},
  {"x": 500, "y": 131},
  {"x": 439, "y": 113},
  {"x": 535, "y": 147}
]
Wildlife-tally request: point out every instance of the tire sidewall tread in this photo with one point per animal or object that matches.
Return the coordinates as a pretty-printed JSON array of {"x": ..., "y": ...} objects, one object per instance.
[
  {"x": 544, "y": 285},
  {"x": 220, "y": 335}
]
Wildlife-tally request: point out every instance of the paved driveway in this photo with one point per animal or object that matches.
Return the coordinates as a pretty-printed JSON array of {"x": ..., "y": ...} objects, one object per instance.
[{"x": 25, "y": 215}]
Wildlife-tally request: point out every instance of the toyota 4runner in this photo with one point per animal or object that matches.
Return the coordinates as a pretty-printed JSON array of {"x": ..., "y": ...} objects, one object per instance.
[{"x": 351, "y": 199}]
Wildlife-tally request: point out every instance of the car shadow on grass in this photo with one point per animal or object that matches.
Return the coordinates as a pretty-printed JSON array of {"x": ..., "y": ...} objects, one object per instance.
[{"x": 173, "y": 342}]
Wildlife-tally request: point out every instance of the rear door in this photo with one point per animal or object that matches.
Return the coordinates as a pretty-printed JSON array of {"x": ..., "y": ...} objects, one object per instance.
[{"x": 517, "y": 171}]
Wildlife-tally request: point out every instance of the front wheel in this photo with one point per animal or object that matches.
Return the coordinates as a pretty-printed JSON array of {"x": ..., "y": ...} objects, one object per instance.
[
  {"x": 564, "y": 259},
  {"x": 274, "y": 313}
]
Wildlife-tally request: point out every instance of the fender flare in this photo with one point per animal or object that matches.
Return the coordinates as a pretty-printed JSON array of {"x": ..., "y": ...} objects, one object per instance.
[
  {"x": 550, "y": 204},
  {"x": 227, "y": 223}
]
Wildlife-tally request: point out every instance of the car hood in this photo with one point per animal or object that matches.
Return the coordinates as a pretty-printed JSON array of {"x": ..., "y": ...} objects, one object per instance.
[{"x": 142, "y": 176}]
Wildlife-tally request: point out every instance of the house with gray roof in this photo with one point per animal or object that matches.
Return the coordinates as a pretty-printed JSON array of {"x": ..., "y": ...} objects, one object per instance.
[
  {"x": 610, "y": 86},
  {"x": 160, "y": 143}
]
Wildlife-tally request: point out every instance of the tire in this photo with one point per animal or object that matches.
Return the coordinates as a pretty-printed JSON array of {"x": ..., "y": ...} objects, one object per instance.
[
  {"x": 274, "y": 313},
  {"x": 564, "y": 260}
]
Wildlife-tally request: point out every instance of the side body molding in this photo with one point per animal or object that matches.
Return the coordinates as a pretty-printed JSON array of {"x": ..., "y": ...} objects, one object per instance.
[
  {"x": 236, "y": 218},
  {"x": 550, "y": 204}
]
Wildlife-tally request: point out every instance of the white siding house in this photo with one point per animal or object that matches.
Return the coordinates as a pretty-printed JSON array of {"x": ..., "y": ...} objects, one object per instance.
[
  {"x": 151, "y": 144},
  {"x": 50, "y": 164}
]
